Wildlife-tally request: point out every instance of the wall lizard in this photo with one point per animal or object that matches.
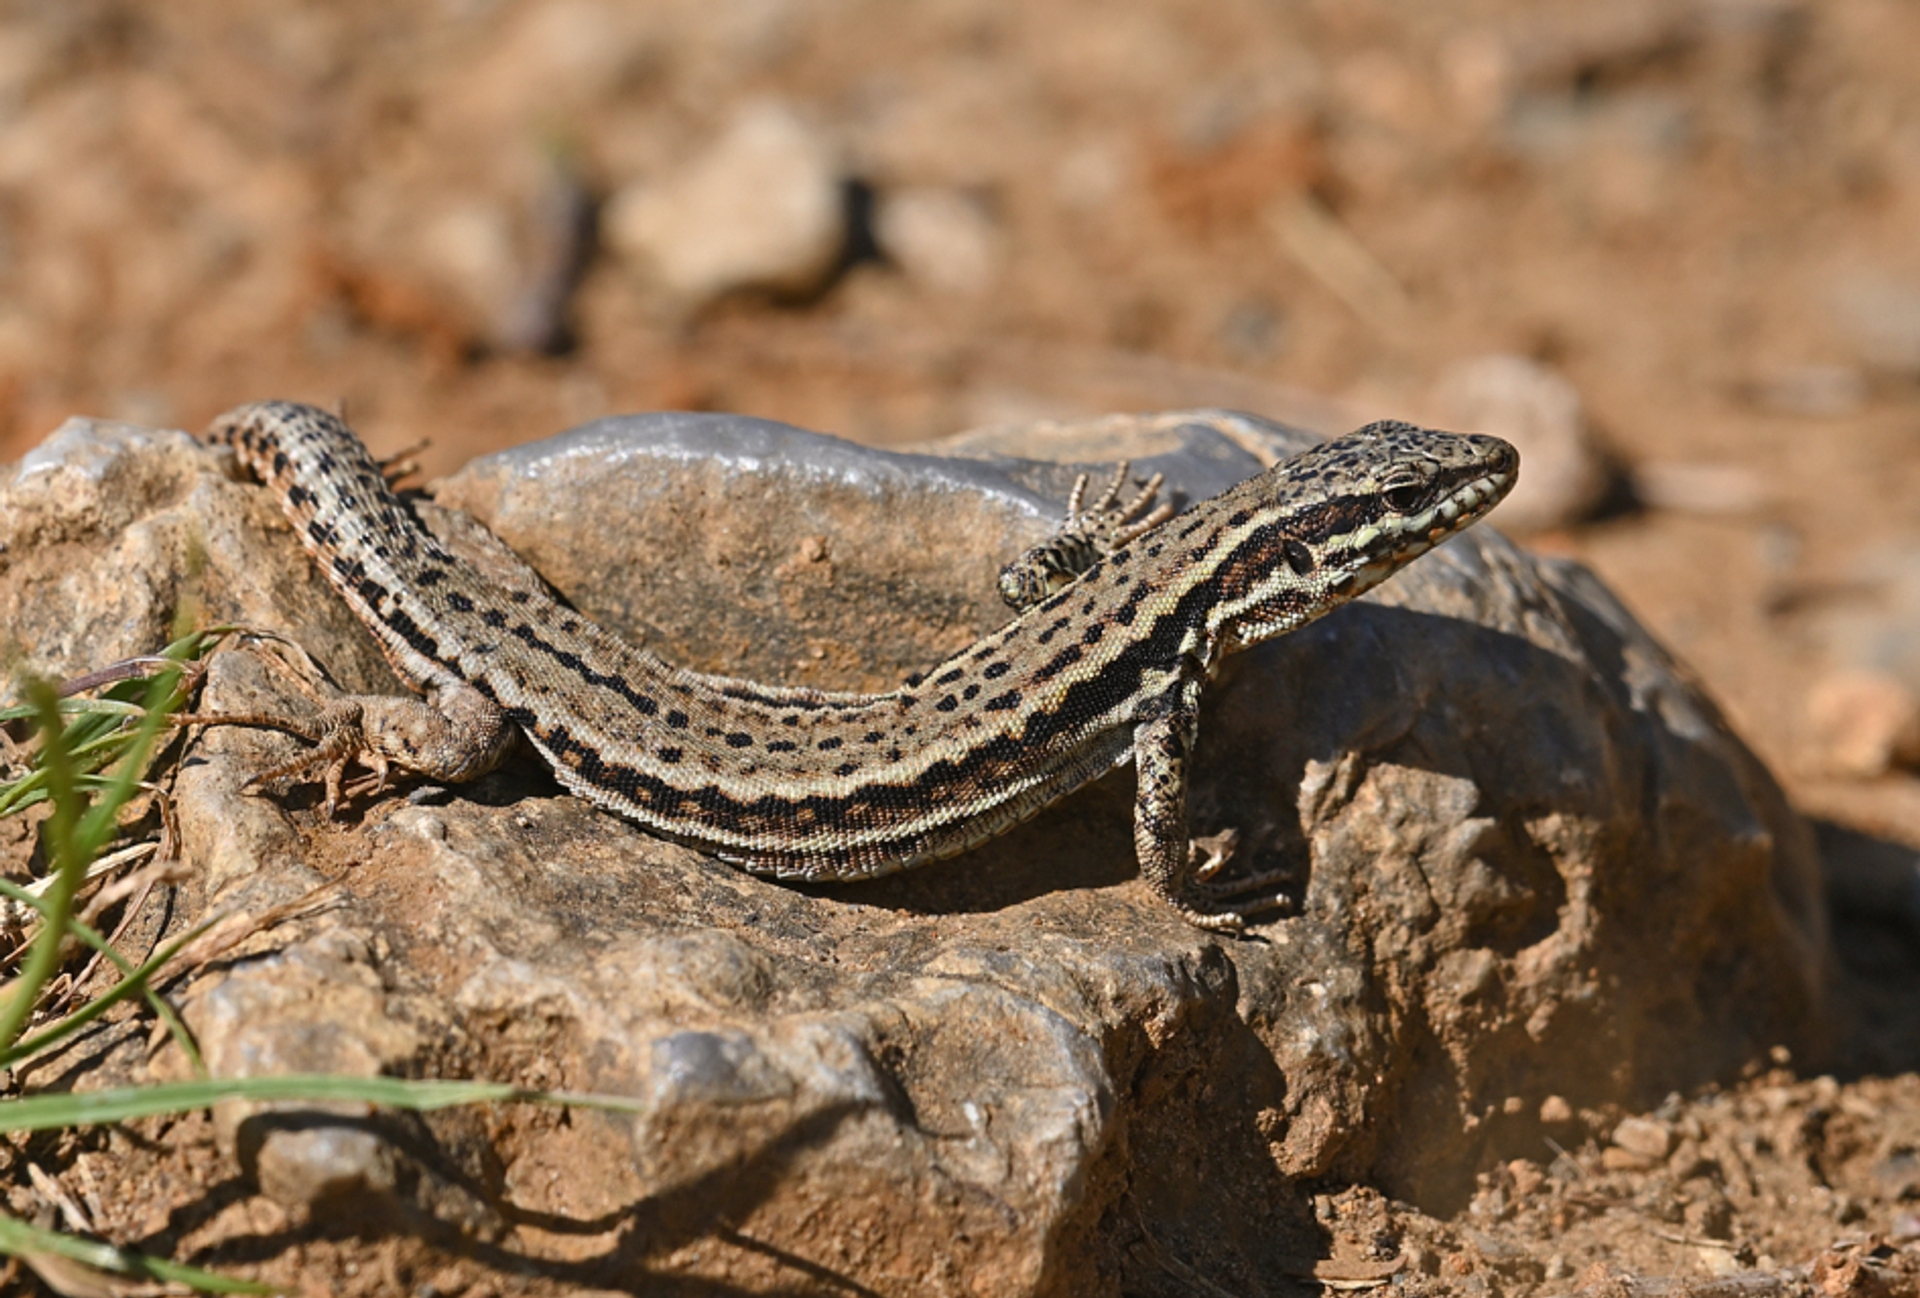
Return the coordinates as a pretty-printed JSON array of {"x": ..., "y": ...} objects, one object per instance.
[{"x": 1097, "y": 669}]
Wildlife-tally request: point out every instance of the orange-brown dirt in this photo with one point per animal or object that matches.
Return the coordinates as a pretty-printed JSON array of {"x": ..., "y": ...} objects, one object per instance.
[{"x": 1702, "y": 214}]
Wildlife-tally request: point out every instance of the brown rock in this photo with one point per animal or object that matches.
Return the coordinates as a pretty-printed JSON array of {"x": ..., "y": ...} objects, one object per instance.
[
  {"x": 1526, "y": 849},
  {"x": 1615, "y": 1159}
]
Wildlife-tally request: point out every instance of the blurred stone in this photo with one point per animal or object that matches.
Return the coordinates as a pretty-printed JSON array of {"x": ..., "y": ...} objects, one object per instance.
[
  {"x": 761, "y": 210},
  {"x": 1092, "y": 176},
  {"x": 1880, "y": 316},
  {"x": 1527, "y": 1177},
  {"x": 1476, "y": 67},
  {"x": 1253, "y": 332},
  {"x": 573, "y": 50},
  {"x": 1645, "y": 1138},
  {"x": 1864, "y": 723},
  {"x": 1562, "y": 474},
  {"x": 1615, "y": 1159},
  {"x": 1620, "y": 160},
  {"x": 470, "y": 248},
  {"x": 1815, "y": 391},
  {"x": 939, "y": 237},
  {"x": 1699, "y": 488},
  {"x": 1382, "y": 85},
  {"x": 1869, "y": 618}
]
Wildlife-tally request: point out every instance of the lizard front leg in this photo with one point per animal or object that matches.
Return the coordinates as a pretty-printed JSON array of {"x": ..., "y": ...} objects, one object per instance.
[{"x": 1179, "y": 868}]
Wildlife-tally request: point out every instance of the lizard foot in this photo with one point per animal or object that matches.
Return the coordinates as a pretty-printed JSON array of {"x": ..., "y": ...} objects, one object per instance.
[
  {"x": 1225, "y": 904},
  {"x": 455, "y": 736}
]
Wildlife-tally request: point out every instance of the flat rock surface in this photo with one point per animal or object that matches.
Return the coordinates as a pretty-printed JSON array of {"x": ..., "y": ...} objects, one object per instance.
[{"x": 1534, "y": 874}]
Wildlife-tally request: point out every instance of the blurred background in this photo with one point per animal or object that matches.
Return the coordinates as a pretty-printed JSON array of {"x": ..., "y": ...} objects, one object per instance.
[{"x": 1671, "y": 247}]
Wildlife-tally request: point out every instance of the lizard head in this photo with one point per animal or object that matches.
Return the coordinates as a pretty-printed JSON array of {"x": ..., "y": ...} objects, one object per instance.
[{"x": 1342, "y": 517}]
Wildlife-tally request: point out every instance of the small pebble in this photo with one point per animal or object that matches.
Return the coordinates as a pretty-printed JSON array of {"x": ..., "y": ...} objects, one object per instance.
[
  {"x": 940, "y": 238},
  {"x": 1645, "y": 1138},
  {"x": 1711, "y": 489},
  {"x": 1615, "y": 1159},
  {"x": 1527, "y": 1177},
  {"x": 1863, "y": 723},
  {"x": 761, "y": 210}
]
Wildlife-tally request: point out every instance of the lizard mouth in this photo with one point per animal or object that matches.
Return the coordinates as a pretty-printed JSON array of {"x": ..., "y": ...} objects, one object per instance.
[{"x": 1468, "y": 503}]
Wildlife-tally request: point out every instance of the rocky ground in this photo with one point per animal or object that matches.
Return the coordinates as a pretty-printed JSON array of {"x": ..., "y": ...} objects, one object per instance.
[{"x": 1670, "y": 246}]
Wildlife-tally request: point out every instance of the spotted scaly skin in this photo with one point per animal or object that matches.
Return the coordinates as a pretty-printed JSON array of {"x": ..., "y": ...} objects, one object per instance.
[{"x": 807, "y": 784}]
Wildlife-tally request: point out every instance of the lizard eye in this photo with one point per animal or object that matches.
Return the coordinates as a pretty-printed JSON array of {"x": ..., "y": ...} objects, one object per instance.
[{"x": 1404, "y": 500}]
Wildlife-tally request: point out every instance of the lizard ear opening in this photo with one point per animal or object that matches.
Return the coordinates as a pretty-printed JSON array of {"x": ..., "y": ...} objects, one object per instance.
[{"x": 1298, "y": 556}]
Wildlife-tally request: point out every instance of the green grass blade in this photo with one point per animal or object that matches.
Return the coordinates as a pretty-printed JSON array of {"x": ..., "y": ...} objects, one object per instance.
[
  {"x": 44, "y": 1112},
  {"x": 101, "y": 822},
  {"x": 70, "y": 865},
  {"x": 131, "y": 979},
  {"x": 136, "y": 980},
  {"x": 19, "y": 1239}
]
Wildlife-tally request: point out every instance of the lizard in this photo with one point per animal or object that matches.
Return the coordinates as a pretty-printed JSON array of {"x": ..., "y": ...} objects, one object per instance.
[{"x": 1122, "y": 625}]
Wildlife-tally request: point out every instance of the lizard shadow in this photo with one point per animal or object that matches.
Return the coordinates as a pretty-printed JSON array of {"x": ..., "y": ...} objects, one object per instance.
[
  {"x": 1191, "y": 1104},
  {"x": 1437, "y": 791},
  {"x": 1337, "y": 692},
  {"x": 441, "y": 1195}
]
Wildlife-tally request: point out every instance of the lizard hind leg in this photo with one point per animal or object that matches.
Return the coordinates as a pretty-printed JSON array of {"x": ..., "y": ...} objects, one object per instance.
[{"x": 454, "y": 735}]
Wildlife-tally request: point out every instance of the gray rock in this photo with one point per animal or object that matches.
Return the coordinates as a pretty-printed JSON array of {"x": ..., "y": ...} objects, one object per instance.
[{"x": 1532, "y": 862}]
